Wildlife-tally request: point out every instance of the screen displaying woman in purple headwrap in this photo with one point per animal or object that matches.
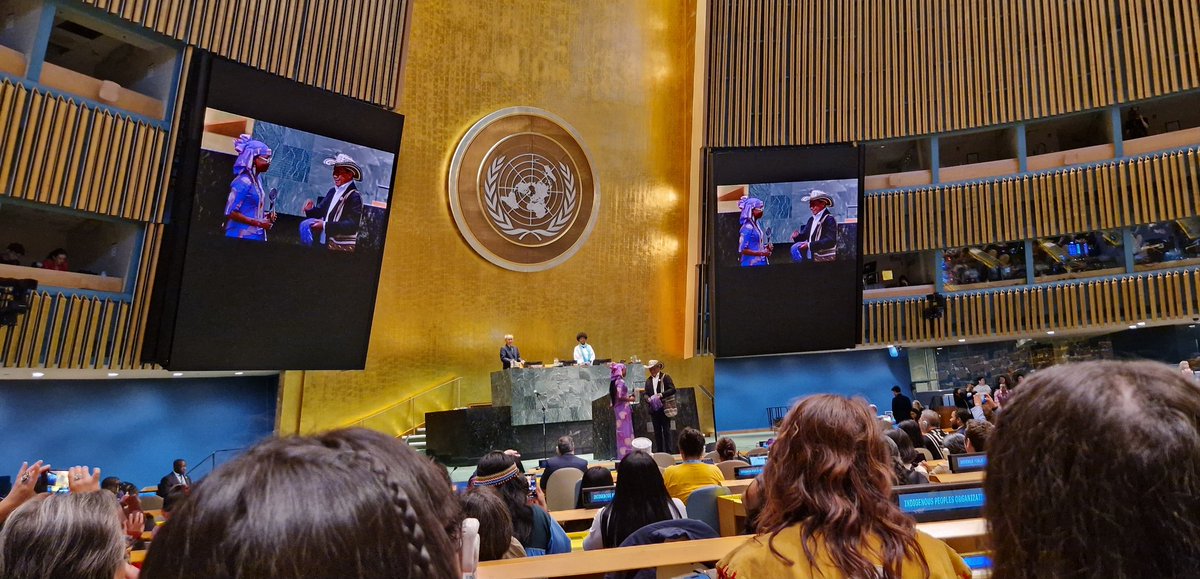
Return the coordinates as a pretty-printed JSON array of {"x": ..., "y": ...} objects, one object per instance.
[
  {"x": 753, "y": 248},
  {"x": 619, "y": 396},
  {"x": 244, "y": 216}
]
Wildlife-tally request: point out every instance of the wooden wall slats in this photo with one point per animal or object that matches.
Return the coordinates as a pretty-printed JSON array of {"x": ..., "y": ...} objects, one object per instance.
[
  {"x": 874, "y": 69},
  {"x": 1164, "y": 296},
  {"x": 311, "y": 41},
  {"x": 1150, "y": 189},
  {"x": 71, "y": 331}
]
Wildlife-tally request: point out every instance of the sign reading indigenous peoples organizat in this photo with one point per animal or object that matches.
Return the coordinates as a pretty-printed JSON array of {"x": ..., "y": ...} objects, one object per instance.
[{"x": 522, "y": 189}]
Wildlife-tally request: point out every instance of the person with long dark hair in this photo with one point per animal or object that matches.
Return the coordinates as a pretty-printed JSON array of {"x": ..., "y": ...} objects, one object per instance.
[
  {"x": 496, "y": 539},
  {"x": 829, "y": 510},
  {"x": 537, "y": 531},
  {"x": 908, "y": 454},
  {"x": 1129, "y": 508},
  {"x": 641, "y": 499},
  {"x": 348, "y": 503}
]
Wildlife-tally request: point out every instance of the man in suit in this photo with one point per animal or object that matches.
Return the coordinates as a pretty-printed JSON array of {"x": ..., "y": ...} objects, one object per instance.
[
  {"x": 177, "y": 480},
  {"x": 659, "y": 384},
  {"x": 335, "y": 220},
  {"x": 818, "y": 240},
  {"x": 565, "y": 459},
  {"x": 901, "y": 405},
  {"x": 509, "y": 354}
]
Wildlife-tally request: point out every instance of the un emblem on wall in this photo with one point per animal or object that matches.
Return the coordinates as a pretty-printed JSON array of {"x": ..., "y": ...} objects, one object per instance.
[{"x": 522, "y": 190}]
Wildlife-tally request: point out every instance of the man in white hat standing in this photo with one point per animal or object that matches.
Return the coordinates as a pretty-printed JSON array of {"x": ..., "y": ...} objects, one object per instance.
[
  {"x": 336, "y": 219},
  {"x": 818, "y": 240},
  {"x": 658, "y": 387}
]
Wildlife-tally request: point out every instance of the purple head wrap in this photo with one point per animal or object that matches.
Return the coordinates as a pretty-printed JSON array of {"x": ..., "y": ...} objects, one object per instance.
[
  {"x": 247, "y": 149},
  {"x": 748, "y": 205},
  {"x": 618, "y": 371}
]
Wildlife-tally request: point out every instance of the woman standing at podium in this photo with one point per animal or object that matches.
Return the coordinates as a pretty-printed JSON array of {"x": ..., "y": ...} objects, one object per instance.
[{"x": 618, "y": 395}]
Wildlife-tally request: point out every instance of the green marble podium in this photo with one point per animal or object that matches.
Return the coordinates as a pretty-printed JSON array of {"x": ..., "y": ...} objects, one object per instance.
[{"x": 566, "y": 391}]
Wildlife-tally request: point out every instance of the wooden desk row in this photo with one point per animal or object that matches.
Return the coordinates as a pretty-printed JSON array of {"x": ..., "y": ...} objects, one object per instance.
[{"x": 671, "y": 559}]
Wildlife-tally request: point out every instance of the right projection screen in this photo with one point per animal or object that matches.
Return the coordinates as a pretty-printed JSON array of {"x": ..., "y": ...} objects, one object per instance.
[{"x": 784, "y": 244}]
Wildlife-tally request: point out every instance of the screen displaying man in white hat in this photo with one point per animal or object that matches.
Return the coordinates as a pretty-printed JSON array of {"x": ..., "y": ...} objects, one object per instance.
[
  {"x": 817, "y": 241},
  {"x": 335, "y": 218}
]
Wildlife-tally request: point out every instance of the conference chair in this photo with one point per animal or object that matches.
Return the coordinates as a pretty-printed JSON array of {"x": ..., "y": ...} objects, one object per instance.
[
  {"x": 669, "y": 531},
  {"x": 150, "y": 503},
  {"x": 711, "y": 456},
  {"x": 727, "y": 468},
  {"x": 563, "y": 489},
  {"x": 925, "y": 452},
  {"x": 664, "y": 459},
  {"x": 757, "y": 451},
  {"x": 702, "y": 505}
]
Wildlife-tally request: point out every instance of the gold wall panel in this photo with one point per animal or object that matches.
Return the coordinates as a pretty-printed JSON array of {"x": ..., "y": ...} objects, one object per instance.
[
  {"x": 66, "y": 331},
  {"x": 351, "y": 47},
  {"x": 789, "y": 72},
  {"x": 1020, "y": 312},
  {"x": 620, "y": 72},
  {"x": 57, "y": 151},
  {"x": 1147, "y": 189}
]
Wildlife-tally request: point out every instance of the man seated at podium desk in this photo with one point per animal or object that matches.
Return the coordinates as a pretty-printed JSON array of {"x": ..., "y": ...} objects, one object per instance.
[
  {"x": 510, "y": 356},
  {"x": 584, "y": 354}
]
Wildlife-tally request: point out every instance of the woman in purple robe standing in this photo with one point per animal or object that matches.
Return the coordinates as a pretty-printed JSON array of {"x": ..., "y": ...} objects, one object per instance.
[{"x": 620, "y": 397}]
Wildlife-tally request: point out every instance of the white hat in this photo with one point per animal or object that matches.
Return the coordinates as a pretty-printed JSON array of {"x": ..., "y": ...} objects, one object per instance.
[
  {"x": 819, "y": 194},
  {"x": 346, "y": 161},
  {"x": 641, "y": 443},
  {"x": 653, "y": 363}
]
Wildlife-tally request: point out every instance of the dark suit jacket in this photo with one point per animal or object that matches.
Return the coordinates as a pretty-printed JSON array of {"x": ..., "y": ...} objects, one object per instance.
[
  {"x": 901, "y": 408},
  {"x": 169, "y": 481},
  {"x": 562, "y": 461},
  {"x": 668, "y": 386},
  {"x": 351, "y": 215},
  {"x": 509, "y": 354}
]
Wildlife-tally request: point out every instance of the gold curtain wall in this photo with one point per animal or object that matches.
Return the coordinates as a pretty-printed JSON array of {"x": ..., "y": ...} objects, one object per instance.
[
  {"x": 789, "y": 72},
  {"x": 1096, "y": 304},
  {"x": 351, "y": 47},
  {"x": 620, "y": 72},
  {"x": 1148, "y": 189}
]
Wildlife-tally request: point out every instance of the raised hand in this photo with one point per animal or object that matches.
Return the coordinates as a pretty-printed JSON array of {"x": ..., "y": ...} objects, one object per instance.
[
  {"x": 82, "y": 482},
  {"x": 23, "y": 486},
  {"x": 135, "y": 523}
]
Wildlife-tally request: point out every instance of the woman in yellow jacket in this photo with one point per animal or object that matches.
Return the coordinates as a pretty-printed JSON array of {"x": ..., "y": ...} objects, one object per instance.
[{"x": 829, "y": 511}]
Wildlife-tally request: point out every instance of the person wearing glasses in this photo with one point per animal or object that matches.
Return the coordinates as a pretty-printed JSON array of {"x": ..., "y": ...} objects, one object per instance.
[{"x": 244, "y": 217}]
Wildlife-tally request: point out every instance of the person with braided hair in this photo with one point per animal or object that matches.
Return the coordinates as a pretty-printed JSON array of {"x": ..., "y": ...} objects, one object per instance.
[
  {"x": 348, "y": 503},
  {"x": 537, "y": 531}
]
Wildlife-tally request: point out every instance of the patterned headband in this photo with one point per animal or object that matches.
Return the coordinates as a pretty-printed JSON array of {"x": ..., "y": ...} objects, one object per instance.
[{"x": 494, "y": 480}]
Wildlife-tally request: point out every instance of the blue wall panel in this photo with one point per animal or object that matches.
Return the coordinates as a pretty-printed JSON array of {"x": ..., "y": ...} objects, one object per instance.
[
  {"x": 131, "y": 429},
  {"x": 746, "y": 387}
]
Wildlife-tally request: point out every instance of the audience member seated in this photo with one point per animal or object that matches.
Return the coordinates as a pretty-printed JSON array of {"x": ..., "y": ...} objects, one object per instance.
[
  {"x": 13, "y": 254},
  {"x": 979, "y": 432},
  {"x": 1127, "y": 508},
  {"x": 752, "y": 500},
  {"x": 176, "y": 480},
  {"x": 727, "y": 450},
  {"x": 111, "y": 484},
  {"x": 496, "y": 539},
  {"x": 348, "y": 503},
  {"x": 956, "y": 443},
  {"x": 908, "y": 455},
  {"x": 597, "y": 476},
  {"x": 959, "y": 420},
  {"x": 565, "y": 459},
  {"x": 931, "y": 431},
  {"x": 538, "y": 533},
  {"x": 906, "y": 474},
  {"x": 56, "y": 260},
  {"x": 79, "y": 535},
  {"x": 917, "y": 436},
  {"x": 682, "y": 479},
  {"x": 829, "y": 510},
  {"x": 641, "y": 499}
]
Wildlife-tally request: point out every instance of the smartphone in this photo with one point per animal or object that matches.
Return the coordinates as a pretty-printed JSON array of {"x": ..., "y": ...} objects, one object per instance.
[
  {"x": 533, "y": 486},
  {"x": 57, "y": 481}
]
